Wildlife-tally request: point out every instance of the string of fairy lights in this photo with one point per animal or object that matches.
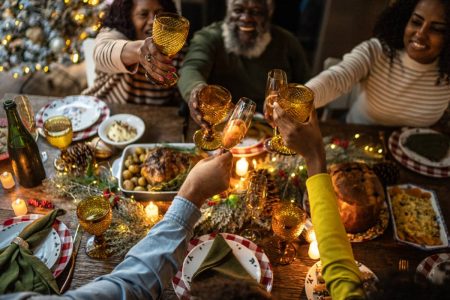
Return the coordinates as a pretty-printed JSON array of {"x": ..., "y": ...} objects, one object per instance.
[{"x": 36, "y": 33}]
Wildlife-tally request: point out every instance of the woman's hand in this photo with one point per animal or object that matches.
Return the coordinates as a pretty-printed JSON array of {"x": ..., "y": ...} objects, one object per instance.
[
  {"x": 157, "y": 65},
  {"x": 304, "y": 138}
]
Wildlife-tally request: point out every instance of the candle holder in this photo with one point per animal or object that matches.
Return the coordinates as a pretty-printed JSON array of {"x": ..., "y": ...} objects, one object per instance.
[
  {"x": 7, "y": 180},
  {"x": 20, "y": 207}
]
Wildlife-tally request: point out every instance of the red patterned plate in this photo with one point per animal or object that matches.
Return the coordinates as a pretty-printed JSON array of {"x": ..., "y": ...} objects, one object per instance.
[
  {"x": 429, "y": 264},
  {"x": 79, "y": 135},
  {"x": 266, "y": 270},
  {"x": 401, "y": 157},
  {"x": 63, "y": 232}
]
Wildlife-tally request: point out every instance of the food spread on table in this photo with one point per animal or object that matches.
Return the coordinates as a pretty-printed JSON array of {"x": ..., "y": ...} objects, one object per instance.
[
  {"x": 121, "y": 131},
  {"x": 157, "y": 169},
  {"x": 415, "y": 217},
  {"x": 433, "y": 146}
]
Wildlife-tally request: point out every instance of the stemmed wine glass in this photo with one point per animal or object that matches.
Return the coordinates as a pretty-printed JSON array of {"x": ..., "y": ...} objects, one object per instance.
[
  {"x": 276, "y": 80},
  {"x": 95, "y": 215},
  {"x": 238, "y": 123},
  {"x": 170, "y": 32},
  {"x": 214, "y": 104},
  {"x": 58, "y": 132},
  {"x": 288, "y": 221},
  {"x": 297, "y": 101},
  {"x": 255, "y": 200}
]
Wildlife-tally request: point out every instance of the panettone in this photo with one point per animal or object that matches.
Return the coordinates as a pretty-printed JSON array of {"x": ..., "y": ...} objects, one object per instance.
[{"x": 360, "y": 195}]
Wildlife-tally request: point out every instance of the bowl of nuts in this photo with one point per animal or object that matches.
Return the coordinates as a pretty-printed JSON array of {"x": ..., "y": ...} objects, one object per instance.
[
  {"x": 121, "y": 130},
  {"x": 156, "y": 171}
]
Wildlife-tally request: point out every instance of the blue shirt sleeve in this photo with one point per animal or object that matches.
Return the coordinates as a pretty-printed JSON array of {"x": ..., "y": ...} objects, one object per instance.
[{"x": 148, "y": 266}]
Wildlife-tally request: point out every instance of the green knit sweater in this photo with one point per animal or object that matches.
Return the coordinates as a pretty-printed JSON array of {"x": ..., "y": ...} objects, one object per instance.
[{"x": 207, "y": 61}]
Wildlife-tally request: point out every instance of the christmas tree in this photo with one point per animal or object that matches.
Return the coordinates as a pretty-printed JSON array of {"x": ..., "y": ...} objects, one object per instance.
[{"x": 35, "y": 33}]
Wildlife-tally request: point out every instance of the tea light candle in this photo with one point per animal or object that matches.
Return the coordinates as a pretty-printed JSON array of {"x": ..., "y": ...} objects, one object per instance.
[
  {"x": 152, "y": 211},
  {"x": 20, "y": 207},
  {"x": 7, "y": 180},
  {"x": 313, "y": 251},
  {"x": 241, "y": 167}
]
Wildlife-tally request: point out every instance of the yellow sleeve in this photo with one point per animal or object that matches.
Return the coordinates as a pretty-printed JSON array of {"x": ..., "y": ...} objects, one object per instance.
[{"x": 339, "y": 270}]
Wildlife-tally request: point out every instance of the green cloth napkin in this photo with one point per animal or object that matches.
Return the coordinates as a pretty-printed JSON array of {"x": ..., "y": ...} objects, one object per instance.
[
  {"x": 21, "y": 270},
  {"x": 220, "y": 261}
]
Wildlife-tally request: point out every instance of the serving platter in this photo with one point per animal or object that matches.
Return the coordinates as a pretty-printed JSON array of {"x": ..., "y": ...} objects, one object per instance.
[{"x": 443, "y": 234}]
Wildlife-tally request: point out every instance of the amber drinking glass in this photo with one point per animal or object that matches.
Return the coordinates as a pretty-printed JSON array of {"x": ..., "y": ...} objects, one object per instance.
[
  {"x": 170, "y": 32},
  {"x": 214, "y": 104},
  {"x": 95, "y": 215},
  {"x": 238, "y": 123},
  {"x": 297, "y": 101},
  {"x": 288, "y": 221},
  {"x": 58, "y": 132}
]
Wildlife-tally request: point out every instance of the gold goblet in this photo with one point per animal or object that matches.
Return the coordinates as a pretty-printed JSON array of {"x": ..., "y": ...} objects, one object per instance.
[
  {"x": 297, "y": 101},
  {"x": 170, "y": 32},
  {"x": 288, "y": 221},
  {"x": 58, "y": 132},
  {"x": 95, "y": 215},
  {"x": 238, "y": 123},
  {"x": 214, "y": 104}
]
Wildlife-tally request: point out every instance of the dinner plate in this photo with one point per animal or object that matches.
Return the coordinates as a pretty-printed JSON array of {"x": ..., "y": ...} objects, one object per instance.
[
  {"x": 83, "y": 111},
  {"x": 401, "y": 157},
  {"x": 48, "y": 251},
  {"x": 78, "y": 135},
  {"x": 431, "y": 267},
  {"x": 63, "y": 233},
  {"x": 445, "y": 162},
  {"x": 311, "y": 278},
  {"x": 197, "y": 255},
  {"x": 182, "y": 290},
  {"x": 443, "y": 235}
]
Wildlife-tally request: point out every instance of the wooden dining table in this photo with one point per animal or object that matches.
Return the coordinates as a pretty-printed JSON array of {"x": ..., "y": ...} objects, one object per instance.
[{"x": 163, "y": 124}]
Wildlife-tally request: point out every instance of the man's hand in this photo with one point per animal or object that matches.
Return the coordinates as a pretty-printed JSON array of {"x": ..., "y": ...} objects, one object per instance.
[
  {"x": 209, "y": 177},
  {"x": 304, "y": 138},
  {"x": 193, "y": 106},
  {"x": 157, "y": 65}
]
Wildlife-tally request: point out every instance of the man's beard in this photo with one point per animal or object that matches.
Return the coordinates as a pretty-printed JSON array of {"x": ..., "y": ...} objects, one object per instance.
[{"x": 230, "y": 34}]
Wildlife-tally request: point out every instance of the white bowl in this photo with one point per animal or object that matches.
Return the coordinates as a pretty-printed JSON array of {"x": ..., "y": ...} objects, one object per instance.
[{"x": 131, "y": 120}]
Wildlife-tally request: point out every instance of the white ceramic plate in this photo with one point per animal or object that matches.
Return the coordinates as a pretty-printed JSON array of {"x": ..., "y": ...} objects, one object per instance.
[
  {"x": 437, "y": 211},
  {"x": 435, "y": 268},
  {"x": 48, "y": 251},
  {"x": 132, "y": 121},
  {"x": 83, "y": 111},
  {"x": 445, "y": 162},
  {"x": 311, "y": 278},
  {"x": 196, "y": 256}
]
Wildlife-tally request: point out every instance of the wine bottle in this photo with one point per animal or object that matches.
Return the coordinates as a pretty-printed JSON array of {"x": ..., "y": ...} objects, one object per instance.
[{"x": 23, "y": 150}]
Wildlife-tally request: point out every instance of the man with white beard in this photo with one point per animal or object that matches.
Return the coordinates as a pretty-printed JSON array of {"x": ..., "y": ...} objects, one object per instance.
[{"x": 237, "y": 54}]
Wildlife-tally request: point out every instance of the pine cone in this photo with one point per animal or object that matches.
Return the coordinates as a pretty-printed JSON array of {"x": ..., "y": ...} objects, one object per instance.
[
  {"x": 387, "y": 172},
  {"x": 77, "y": 157}
]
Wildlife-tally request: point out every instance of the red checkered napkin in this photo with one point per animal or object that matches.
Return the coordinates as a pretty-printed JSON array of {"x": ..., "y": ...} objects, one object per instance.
[
  {"x": 63, "y": 232},
  {"x": 266, "y": 269},
  {"x": 428, "y": 263},
  {"x": 78, "y": 135},
  {"x": 401, "y": 157}
]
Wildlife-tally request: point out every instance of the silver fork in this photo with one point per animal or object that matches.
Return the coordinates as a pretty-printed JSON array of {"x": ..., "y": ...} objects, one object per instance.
[{"x": 403, "y": 265}]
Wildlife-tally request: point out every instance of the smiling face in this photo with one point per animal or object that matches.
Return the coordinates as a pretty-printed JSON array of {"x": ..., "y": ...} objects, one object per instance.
[
  {"x": 142, "y": 15},
  {"x": 424, "y": 35}
]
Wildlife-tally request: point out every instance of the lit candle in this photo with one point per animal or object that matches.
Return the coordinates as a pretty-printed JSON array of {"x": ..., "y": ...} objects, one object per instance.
[
  {"x": 152, "y": 211},
  {"x": 7, "y": 180},
  {"x": 20, "y": 207},
  {"x": 241, "y": 167},
  {"x": 310, "y": 235},
  {"x": 313, "y": 251}
]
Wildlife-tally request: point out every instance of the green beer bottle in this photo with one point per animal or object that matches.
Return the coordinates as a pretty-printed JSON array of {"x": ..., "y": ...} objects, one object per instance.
[{"x": 23, "y": 150}]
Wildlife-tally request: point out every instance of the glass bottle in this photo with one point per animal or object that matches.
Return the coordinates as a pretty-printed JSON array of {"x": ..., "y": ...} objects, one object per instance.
[{"x": 23, "y": 150}]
